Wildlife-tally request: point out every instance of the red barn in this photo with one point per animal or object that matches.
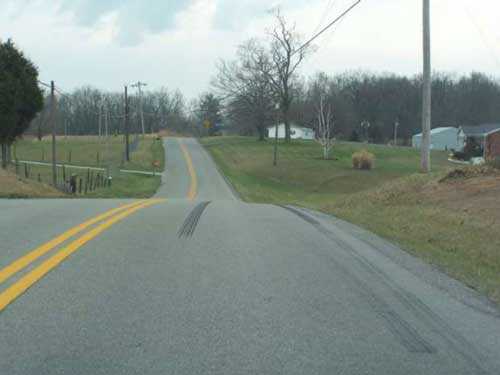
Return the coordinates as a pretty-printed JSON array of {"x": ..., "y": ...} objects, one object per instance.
[{"x": 492, "y": 145}]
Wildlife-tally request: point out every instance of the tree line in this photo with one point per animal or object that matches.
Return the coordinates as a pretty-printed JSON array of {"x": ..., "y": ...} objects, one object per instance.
[
  {"x": 90, "y": 111},
  {"x": 262, "y": 85},
  {"x": 357, "y": 99}
]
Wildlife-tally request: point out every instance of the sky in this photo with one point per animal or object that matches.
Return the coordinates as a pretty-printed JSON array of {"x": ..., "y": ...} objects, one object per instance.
[{"x": 177, "y": 43}]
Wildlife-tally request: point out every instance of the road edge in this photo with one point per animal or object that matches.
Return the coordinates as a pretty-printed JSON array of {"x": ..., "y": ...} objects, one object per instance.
[
  {"x": 427, "y": 272},
  {"x": 230, "y": 185}
]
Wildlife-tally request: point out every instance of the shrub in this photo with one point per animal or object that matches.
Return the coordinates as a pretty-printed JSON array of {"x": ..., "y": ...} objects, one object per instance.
[{"x": 363, "y": 160}]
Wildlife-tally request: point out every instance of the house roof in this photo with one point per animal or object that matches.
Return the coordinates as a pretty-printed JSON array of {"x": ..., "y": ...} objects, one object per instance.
[
  {"x": 439, "y": 130},
  {"x": 480, "y": 130},
  {"x": 443, "y": 129},
  {"x": 295, "y": 126}
]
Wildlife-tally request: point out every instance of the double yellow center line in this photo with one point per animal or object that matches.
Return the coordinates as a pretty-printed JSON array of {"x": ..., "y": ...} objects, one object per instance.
[
  {"x": 193, "y": 186},
  {"x": 106, "y": 220}
]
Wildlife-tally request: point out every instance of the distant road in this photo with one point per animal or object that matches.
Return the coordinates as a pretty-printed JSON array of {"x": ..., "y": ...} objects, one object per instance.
[{"x": 195, "y": 281}]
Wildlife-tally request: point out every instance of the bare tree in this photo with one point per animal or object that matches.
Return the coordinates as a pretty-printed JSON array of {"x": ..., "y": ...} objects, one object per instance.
[
  {"x": 286, "y": 55},
  {"x": 325, "y": 126},
  {"x": 244, "y": 86}
]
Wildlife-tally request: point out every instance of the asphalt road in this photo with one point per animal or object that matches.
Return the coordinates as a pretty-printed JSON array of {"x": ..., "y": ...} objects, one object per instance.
[{"x": 199, "y": 282}]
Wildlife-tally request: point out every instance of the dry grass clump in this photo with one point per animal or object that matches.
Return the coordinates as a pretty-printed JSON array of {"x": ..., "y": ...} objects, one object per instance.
[
  {"x": 363, "y": 160},
  {"x": 470, "y": 172}
]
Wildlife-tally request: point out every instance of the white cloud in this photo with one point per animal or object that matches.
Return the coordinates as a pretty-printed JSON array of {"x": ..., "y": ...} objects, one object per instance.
[{"x": 179, "y": 49}]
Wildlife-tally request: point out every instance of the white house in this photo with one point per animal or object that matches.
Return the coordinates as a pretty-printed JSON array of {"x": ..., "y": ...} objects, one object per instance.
[
  {"x": 445, "y": 138},
  {"x": 296, "y": 132}
]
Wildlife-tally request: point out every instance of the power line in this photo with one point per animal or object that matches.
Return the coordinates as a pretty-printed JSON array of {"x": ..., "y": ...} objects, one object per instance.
[
  {"x": 44, "y": 84},
  {"x": 482, "y": 34},
  {"x": 66, "y": 95},
  {"x": 324, "y": 14},
  {"x": 138, "y": 85},
  {"x": 342, "y": 15}
]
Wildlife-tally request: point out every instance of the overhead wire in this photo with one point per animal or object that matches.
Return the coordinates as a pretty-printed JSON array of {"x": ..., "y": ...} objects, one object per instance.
[
  {"x": 482, "y": 34},
  {"x": 337, "y": 19},
  {"x": 324, "y": 14}
]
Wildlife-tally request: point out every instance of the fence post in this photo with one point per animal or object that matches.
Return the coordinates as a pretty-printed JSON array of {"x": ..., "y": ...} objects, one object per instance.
[
  {"x": 80, "y": 186},
  {"x": 39, "y": 178},
  {"x": 69, "y": 156},
  {"x": 98, "y": 158},
  {"x": 86, "y": 186},
  {"x": 64, "y": 172},
  {"x": 25, "y": 170},
  {"x": 17, "y": 167},
  {"x": 91, "y": 180}
]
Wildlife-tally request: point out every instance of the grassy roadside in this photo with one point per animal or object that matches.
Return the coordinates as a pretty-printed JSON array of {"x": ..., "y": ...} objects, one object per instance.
[
  {"x": 93, "y": 152},
  {"x": 13, "y": 187},
  {"x": 449, "y": 224},
  {"x": 302, "y": 176}
]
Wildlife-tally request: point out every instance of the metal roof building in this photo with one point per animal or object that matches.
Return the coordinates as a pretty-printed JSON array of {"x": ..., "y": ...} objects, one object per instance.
[
  {"x": 443, "y": 138},
  {"x": 479, "y": 131}
]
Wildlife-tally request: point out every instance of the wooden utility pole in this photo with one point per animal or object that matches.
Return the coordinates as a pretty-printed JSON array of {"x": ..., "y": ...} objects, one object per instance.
[
  {"x": 139, "y": 84},
  {"x": 106, "y": 134},
  {"x": 396, "y": 126},
  {"x": 53, "y": 123},
  {"x": 100, "y": 121},
  {"x": 275, "y": 156},
  {"x": 127, "y": 146},
  {"x": 426, "y": 94}
]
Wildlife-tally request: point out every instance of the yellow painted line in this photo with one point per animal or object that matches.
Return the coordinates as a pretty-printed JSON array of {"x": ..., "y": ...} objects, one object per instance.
[
  {"x": 193, "y": 187},
  {"x": 19, "y": 287},
  {"x": 29, "y": 258}
]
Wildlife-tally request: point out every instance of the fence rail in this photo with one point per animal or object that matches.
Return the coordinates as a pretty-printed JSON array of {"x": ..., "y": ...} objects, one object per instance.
[{"x": 90, "y": 180}]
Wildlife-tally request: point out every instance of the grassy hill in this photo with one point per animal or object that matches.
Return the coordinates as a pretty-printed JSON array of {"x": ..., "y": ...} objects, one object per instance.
[
  {"x": 302, "y": 176},
  {"x": 448, "y": 218},
  {"x": 13, "y": 187}
]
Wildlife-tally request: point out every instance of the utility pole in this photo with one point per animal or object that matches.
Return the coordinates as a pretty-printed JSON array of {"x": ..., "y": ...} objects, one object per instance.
[
  {"x": 396, "y": 126},
  {"x": 53, "y": 121},
  {"x": 100, "y": 121},
  {"x": 275, "y": 158},
  {"x": 127, "y": 148},
  {"x": 106, "y": 134},
  {"x": 106, "y": 121},
  {"x": 138, "y": 85},
  {"x": 426, "y": 94}
]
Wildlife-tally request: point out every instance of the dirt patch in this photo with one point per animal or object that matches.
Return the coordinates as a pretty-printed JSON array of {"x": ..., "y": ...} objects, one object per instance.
[{"x": 475, "y": 192}]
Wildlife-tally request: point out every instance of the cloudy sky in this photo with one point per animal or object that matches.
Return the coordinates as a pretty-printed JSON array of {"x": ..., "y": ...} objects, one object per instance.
[{"x": 176, "y": 43}]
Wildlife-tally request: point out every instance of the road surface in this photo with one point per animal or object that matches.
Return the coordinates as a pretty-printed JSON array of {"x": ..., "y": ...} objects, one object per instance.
[{"x": 195, "y": 281}]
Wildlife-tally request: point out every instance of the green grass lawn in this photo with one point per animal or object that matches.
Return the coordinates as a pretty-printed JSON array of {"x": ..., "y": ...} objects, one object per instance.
[
  {"x": 302, "y": 176},
  {"x": 392, "y": 200},
  {"x": 94, "y": 152}
]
